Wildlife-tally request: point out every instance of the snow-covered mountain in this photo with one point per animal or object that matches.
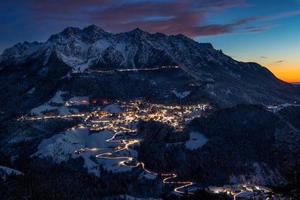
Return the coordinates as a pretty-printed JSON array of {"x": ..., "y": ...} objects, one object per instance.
[
  {"x": 92, "y": 46},
  {"x": 216, "y": 76}
]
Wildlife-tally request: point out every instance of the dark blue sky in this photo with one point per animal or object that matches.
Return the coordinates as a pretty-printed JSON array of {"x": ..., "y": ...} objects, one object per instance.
[{"x": 265, "y": 31}]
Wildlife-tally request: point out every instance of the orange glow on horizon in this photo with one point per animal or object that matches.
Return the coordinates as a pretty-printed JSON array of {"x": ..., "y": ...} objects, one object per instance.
[
  {"x": 290, "y": 75},
  {"x": 288, "y": 71}
]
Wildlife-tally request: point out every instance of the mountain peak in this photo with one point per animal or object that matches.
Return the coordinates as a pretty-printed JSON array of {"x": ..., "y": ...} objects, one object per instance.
[
  {"x": 90, "y": 33},
  {"x": 93, "y": 28},
  {"x": 70, "y": 31},
  {"x": 138, "y": 31},
  {"x": 93, "y": 33}
]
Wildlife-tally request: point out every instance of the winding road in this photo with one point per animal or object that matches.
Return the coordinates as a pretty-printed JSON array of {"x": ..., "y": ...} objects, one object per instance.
[{"x": 168, "y": 178}]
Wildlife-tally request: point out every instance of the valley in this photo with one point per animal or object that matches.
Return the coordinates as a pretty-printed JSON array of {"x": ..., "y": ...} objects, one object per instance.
[
  {"x": 116, "y": 124},
  {"x": 121, "y": 119}
]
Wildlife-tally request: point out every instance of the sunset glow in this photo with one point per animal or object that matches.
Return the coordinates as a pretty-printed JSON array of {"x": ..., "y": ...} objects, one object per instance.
[
  {"x": 243, "y": 29},
  {"x": 287, "y": 73}
]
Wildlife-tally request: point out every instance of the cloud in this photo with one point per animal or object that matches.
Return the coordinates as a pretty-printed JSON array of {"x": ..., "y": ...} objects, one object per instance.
[
  {"x": 279, "y": 61},
  {"x": 189, "y": 17},
  {"x": 281, "y": 15},
  {"x": 168, "y": 16}
]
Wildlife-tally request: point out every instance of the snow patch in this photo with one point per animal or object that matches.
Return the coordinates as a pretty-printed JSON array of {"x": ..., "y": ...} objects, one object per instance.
[
  {"x": 58, "y": 97},
  {"x": 181, "y": 95},
  {"x": 244, "y": 195},
  {"x": 149, "y": 176},
  {"x": 6, "y": 171},
  {"x": 113, "y": 108},
  {"x": 78, "y": 101},
  {"x": 31, "y": 91},
  {"x": 55, "y": 103},
  {"x": 277, "y": 108},
  {"x": 41, "y": 108},
  {"x": 196, "y": 141}
]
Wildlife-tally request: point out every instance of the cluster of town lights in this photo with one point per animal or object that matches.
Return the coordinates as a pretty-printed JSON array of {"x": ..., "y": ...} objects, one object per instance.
[
  {"x": 126, "y": 120},
  {"x": 132, "y": 112}
]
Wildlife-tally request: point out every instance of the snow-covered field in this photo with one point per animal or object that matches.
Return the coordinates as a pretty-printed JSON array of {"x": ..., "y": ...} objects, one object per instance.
[
  {"x": 95, "y": 148},
  {"x": 196, "y": 141},
  {"x": 55, "y": 103}
]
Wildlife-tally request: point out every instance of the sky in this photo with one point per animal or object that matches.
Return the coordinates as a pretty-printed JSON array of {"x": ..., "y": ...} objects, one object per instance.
[{"x": 263, "y": 31}]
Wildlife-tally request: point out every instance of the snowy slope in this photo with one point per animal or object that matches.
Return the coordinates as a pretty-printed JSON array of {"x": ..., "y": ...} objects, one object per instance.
[
  {"x": 6, "y": 171},
  {"x": 79, "y": 142}
]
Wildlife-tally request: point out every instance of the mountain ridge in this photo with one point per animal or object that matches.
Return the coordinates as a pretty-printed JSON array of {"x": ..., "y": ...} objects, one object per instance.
[
  {"x": 29, "y": 48},
  {"x": 218, "y": 77},
  {"x": 90, "y": 34}
]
